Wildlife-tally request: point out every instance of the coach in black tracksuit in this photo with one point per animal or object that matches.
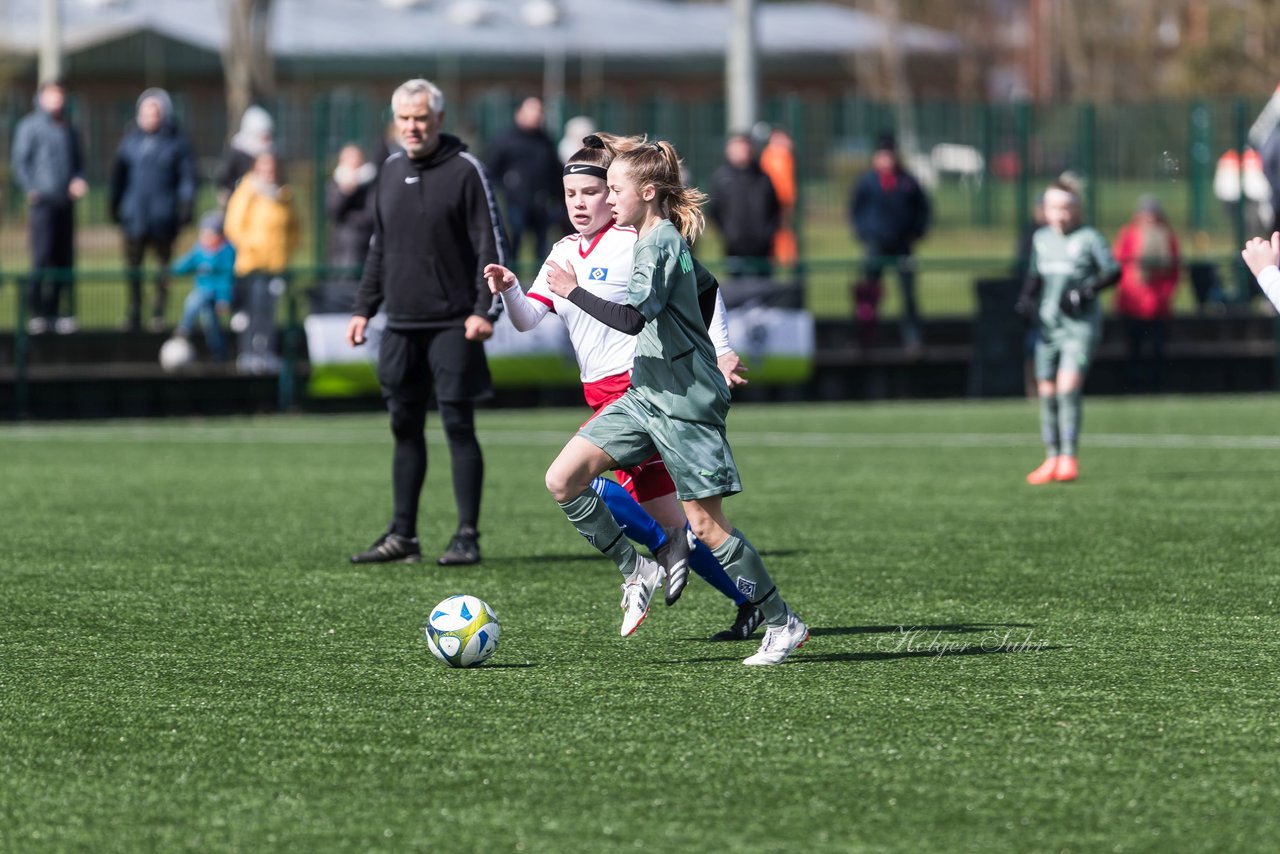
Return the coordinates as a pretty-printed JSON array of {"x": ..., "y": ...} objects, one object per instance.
[{"x": 436, "y": 226}]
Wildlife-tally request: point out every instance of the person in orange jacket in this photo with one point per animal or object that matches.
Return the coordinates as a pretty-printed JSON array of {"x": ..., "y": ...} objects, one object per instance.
[
  {"x": 777, "y": 159},
  {"x": 1150, "y": 266}
]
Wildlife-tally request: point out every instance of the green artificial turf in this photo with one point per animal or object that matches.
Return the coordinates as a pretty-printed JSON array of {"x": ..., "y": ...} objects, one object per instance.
[{"x": 187, "y": 662}]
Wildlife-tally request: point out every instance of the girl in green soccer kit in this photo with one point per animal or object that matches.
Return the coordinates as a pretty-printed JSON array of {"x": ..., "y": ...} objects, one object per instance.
[
  {"x": 1071, "y": 263},
  {"x": 676, "y": 404}
]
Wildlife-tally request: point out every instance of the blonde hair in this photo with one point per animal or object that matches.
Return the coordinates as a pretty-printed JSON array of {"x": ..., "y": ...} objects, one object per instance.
[
  {"x": 599, "y": 149},
  {"x": 657, "y": 163}
]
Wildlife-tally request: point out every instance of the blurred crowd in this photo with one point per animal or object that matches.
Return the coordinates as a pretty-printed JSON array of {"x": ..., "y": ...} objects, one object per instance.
[{"x": 242, "y": 248}]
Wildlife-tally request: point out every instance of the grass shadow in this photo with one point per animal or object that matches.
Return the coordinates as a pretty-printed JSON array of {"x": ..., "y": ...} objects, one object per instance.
[{"x": 913, "y": 641}]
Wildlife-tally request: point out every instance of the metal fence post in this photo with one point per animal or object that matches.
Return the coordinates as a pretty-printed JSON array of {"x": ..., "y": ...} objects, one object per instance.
[
  {"x": 1086, "y": 144},
  {"x": 1243, "y": 279},
  {"x": 985, "y": 122},
  {"x": 289, "y": 361},
  {"x": 319, "y": 152},
  {"x": 1198, "y": 159},
  {"x": 20, "y": 341},
  {"x": 1022, "y": 130}
]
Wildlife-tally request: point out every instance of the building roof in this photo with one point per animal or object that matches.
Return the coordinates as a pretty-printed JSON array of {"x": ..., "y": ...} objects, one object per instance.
[{"x": 329, "y": 30}]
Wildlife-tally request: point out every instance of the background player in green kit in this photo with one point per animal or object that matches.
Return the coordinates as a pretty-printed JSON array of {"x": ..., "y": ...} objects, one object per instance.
[
  {"x": 1071, "y": 263},
  {"x": 676, "y": 404}
]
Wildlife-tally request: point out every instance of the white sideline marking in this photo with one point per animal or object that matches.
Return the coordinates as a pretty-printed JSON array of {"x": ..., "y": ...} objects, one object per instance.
[{"x": 281, "y": 434}]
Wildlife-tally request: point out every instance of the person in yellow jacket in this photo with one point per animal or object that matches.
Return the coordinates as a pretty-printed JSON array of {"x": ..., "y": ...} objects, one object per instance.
[{"x": 262, "y": 225}]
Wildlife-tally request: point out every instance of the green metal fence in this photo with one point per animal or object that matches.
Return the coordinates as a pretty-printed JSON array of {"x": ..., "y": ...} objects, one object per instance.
[{"x": 1166, "y": 148}]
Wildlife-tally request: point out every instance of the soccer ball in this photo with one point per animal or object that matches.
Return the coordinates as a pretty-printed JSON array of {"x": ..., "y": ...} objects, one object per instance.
[
  {"x": 463, "y": 631},
  {"x": 176, "y": 353}
]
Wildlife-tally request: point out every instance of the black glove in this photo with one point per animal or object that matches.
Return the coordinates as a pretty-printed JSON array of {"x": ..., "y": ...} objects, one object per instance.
[{"x": 1075, "y": 300}]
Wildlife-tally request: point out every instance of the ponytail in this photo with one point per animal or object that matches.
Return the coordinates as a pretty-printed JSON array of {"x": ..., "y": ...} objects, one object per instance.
[{"x": 658, "y": 163}]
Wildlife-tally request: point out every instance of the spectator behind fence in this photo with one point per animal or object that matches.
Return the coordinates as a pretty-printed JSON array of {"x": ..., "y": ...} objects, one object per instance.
[
  {"x": 777, "y": 159},
  {"x": 256, "y": 136},
  {"x": 349, "y": 205},
  {"x": 48, "y": 167},
  {"x": 576, "y": 129},
  {"x": 263, "y": 227},
  {"x": 212, "y": 260},
  {"x": 889, "y": 213},
  {"x": 153, "y": 187},
  {"x": 1147, "y": 250},
  {"x": 523, "y": 160},
  {"x": 745, "y": 209}
]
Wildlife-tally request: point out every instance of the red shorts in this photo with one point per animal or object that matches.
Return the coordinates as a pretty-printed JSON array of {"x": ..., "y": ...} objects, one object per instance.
[{"x": 648, "y": 480}]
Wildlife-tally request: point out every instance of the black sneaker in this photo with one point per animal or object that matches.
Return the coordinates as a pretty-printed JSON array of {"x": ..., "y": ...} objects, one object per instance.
[
  {"x": 463, "y": 550},
  {"x": 673, "y": 556},
  {"x": 748, "y": 620},
  {"x": 390, "y": 548}
]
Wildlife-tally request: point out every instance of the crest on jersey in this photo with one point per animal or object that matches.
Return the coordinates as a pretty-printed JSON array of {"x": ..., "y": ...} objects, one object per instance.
[{"x": 598, "y": 274}]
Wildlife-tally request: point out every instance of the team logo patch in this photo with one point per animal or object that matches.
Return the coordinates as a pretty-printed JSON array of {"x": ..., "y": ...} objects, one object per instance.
[
  {"x": 598, "y": 274},
  {"x": 746, "y": 588}
]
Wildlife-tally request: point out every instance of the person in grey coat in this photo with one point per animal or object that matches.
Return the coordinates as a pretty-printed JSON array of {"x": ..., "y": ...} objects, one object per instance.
[
  {"x": 48, "y": 166},
  {"x": 153, "y": 187}
]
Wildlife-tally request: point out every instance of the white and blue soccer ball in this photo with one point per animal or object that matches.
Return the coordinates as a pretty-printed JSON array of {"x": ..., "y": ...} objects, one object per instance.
[{"x": 463, "y": 631}]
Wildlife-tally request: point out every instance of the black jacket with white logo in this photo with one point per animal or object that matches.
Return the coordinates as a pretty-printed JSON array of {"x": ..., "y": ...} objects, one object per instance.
[{"x": 436, "y": 226}]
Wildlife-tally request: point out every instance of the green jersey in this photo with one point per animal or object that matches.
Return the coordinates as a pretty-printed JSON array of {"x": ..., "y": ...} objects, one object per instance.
[
  {"x": 1066, "y": 260},
  {"x": 675, "y": 364}
]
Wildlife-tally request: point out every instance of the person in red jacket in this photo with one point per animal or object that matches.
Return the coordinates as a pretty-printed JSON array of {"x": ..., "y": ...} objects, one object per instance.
[{"x": 1147, "y": 250}]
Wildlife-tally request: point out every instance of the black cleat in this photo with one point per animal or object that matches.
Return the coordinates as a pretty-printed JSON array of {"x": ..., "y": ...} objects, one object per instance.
[
  {"x": 463, "y": 550},
  {"x": 673, "y": 556},
  {"x": 390, "y": 548},
  {"x": 748, "y": 620}
]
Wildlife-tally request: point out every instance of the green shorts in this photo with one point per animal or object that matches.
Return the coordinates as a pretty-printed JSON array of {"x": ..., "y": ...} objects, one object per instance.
[
  {"x": 697, "y": 455},
  {"x": 1061, "y": 349}
]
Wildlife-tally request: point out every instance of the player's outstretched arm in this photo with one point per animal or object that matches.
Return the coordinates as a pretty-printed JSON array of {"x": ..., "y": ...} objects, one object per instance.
[
  {"x": 523, "y": 312},
  {"x": 1262, "y": 256},
  {"x": 1260, "y": 253},
  {"x": 499, "y": 278}
]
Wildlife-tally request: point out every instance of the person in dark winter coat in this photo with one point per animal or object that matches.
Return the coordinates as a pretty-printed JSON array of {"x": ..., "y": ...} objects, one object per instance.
[
  {"x": 889, "y": 213},
  {"x": 525, "y": 162},
  {"x": 348, "y": 202},
  {"x": 435, "y": 230},
  {"x": 48, "y": 167},
  {"x": 744, "y": 207},
  {"x": 153, "y": 188},
  {"x": 256, "y": 136}
]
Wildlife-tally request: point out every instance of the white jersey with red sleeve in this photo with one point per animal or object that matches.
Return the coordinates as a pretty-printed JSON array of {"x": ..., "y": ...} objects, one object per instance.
[{"x": 603, "y": 265}]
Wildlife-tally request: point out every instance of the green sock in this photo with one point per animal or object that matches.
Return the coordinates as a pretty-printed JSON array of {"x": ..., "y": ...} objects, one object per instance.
[
  {"x": 1049, "y": 424},
  {"x": 596, "y": 524},
  {"x": 1070, "y": 412},
  {"x": 743, "y": 564}
]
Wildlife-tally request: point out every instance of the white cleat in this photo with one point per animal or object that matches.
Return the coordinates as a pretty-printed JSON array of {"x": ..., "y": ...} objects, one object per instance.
[
  {"x": 779, "y": 641},
  {"x": 637, "y": 591}
]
